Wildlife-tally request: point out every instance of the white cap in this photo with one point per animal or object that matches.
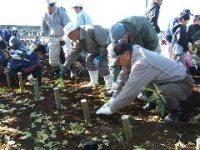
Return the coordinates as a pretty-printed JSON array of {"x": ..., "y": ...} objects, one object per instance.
[
  {"x": 77, "y": 5},
  {"x": 51, "y": 2},
  {"x": 70, "y": 27},
  {"x": 14, "y": 29}
]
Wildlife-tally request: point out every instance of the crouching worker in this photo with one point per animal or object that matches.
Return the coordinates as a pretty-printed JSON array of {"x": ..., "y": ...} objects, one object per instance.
[
  {"x": 93, "y": 39},
  {"x": 142, "y": 68},
  {"x": 27, "y": 62},
  {"x": 3, "y": 62}
]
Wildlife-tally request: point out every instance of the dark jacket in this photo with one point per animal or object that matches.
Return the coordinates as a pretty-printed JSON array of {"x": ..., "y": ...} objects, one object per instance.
[
  {"x": 152, "y": 15},
  {"x": 3, "y": 59},
  {"x": 7, "y": 35},
  {"x": 179, "y": 35},
  {"x": 193, "y": 33}
]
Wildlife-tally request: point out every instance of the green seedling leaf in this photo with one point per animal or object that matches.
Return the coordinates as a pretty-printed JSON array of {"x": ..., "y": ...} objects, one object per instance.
[
  {"x": 106, "y": 142},
  {"x": 76, "y": 128},
  {"x": 42, "y": 137},
  {"x": 26, "y": 135},
  {"x": 65, "y": 142}
]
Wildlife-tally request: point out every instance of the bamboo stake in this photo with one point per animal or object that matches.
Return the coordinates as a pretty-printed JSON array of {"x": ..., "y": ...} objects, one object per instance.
[
  {"x": 86, "y": 111},
  {"x": 198, "y": 144},
  {"x": 57, "y": 98},
  {"x": 127, "y": 128},
  {"x": 8, "y": 78},
  {"x": 36, "y": 89},
  {"x": 21, "y": 82}
]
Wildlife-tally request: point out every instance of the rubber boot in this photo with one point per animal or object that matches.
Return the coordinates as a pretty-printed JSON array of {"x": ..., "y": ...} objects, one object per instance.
[{"x": 94, "y": 77}]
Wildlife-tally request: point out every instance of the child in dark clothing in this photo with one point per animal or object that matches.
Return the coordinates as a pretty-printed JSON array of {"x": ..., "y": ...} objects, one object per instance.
[
  {"x": 179, "y": 42},
  {"x": 193, "y": 32},
  {"x": 27, "y": 62}
]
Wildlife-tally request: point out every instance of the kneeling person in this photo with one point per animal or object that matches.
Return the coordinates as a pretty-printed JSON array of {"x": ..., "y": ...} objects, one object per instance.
[
  {"x": 27, "y": 62},
  {"x": 142, "y": 68}
]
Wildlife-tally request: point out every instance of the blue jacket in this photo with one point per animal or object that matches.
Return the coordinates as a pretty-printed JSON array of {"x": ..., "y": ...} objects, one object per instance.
[
  {"x": 26, "y": 62},
  {"x": 7, "y": 34},
  {"x": 1, "y": 33}
]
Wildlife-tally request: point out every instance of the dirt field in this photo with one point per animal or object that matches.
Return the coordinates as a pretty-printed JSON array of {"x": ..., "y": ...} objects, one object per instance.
[{"x": 28, "y": 124}]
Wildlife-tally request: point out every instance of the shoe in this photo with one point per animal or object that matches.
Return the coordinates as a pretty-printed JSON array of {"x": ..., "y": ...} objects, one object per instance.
[
  {"x": 173, "y": 117},
  {"x": 149, "y": 106},
  {"x": 94, "y": 77}
]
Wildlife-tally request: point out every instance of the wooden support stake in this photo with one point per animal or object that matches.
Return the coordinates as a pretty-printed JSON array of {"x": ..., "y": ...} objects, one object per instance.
[
  {"x": 86, "y": 111},
  {"x": 57, "y": 98},
  {"x": 127, "y": 128},
  {"x": 21, "y": 82},
  {"x": 36, "y": 89},
  {"x": 8, "y": 81},
  {"x": 198, "y": 144}
]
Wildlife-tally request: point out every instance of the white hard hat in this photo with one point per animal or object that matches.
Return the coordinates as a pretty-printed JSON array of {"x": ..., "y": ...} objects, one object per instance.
[
  {"x": 77, "y": 5},
  {"x": 70, "y": 27}
]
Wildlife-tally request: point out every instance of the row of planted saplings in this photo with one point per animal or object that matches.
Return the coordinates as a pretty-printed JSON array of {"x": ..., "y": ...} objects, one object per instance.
[
  {"x": 125, "y": 118},
  {"x": 84, "y": 104}
]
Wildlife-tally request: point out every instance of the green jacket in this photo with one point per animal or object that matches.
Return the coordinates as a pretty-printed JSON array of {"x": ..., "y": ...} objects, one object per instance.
[{"x": 143, "y": 33}]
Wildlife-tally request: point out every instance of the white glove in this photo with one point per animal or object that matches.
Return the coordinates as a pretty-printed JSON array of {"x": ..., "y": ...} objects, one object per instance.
[
  {"x": 52, "y": 33},
  {"x": 104, "y": 110}
]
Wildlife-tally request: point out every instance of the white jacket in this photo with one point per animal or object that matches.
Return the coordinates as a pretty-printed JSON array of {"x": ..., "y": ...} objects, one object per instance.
[{"x": 147, "y": 67}]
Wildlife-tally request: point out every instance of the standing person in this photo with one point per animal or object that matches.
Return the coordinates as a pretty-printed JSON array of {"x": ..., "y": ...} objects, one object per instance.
[
  {"x": 53, "y": 23},
  {"x": 1, "y": 34},
  {"x": 144, "y": 68},
  {"x": 153, "y": 12},
  {"x": 82, "y": 17},
  {"x": 15, "y": 32},
  {"x": 7, "y": 34},
  {"x": 92, "y": 38}
]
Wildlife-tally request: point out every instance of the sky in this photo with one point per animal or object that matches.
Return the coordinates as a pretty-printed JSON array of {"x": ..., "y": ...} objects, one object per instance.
[{"x": 103, "y": 12}]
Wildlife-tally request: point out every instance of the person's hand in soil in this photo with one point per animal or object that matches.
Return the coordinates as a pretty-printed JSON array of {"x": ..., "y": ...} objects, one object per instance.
[{"x": 104, "y": 110}]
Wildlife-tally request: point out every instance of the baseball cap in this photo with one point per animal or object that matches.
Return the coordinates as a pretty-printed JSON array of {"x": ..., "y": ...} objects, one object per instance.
[
  {"x": 70, "y": 27},
  {"x": 117, "y": 32},
  {"x": 77, "y": 5},
  {"x": 51, "y": 2}
]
